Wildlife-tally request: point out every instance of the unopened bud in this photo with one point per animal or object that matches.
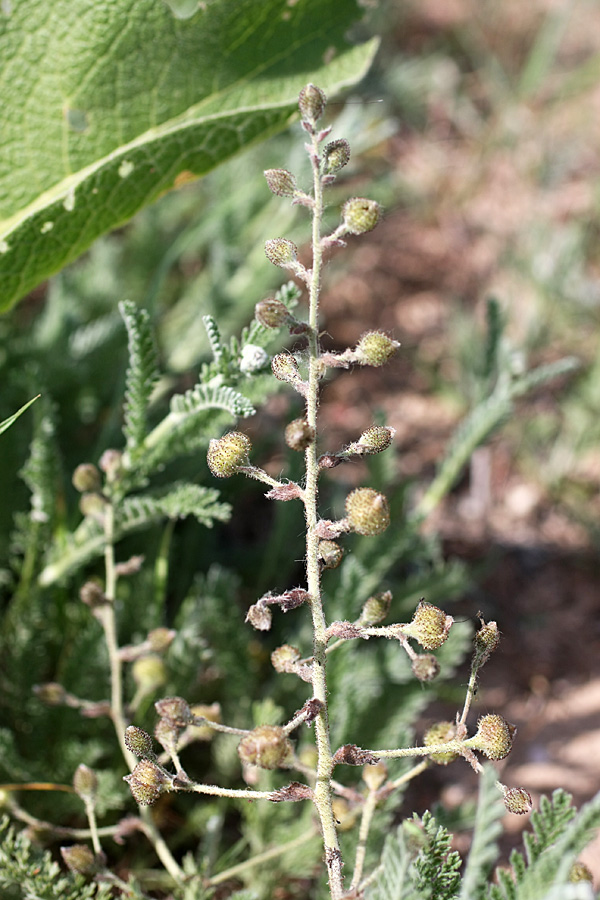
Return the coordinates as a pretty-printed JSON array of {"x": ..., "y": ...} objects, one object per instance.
[
  {"x": 375, "y": 349},
  {"x": 285, "y": 368},
  {"x": 376, "y": 608},
  {"x": 147, "y": 782},
  {"x": 280, "y": 182},
  {"x": 110, "y": 463},
  {"x": 281, "y": 252},
  {"x": 93, "y": 505},
  {"x": 266, "y": 746},
  {"x": 160, "y": 639},
  {"x": 494, "y": 737},
  {"x": 299, "y": 435},
  {"x": 272, "y": 313},
  {"x": 375, "y": 439},
  {"x": 441, "y": 733},
  {"x": 167, "y": 735},
  {"x": 429, "y": 626},
  {"x": 360, "y": 215},
  {"x": 92, "y": 594},
  {"x": 486, "y": 640},
  {"x": 312, "y": 102},
  {"x": 330, "y": 554},
  {"x": 228, "y": 453},
  {"x": 517, "y": 800},
  {"x": 367, "y": 511},
  {"x": 284, "y": 658},
  {"x": 425, "y": 667},
  {"x": 260, "y": 616},
  {"x": 80, "y": 859},
  {"x": 175, "y": 709},
  {"x": 212, "y": 713},
  {"x": 149, "y": 673},
  {"x": 139, "y": 742},
  {"x": 375, "y": 776},
  {"x": 85, "y": 782},
  {"x": 336, "y": 155},
  {"x": 86, "y": 477}
]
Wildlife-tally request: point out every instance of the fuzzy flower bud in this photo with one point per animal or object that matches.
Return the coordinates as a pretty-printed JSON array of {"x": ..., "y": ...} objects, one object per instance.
[
  {"x": 85, "y": 782},
  {"x": 429, "y": 626},
  {"x": 376, "y": 608},
  {"x": 80, "y": 859},
  {"x": 375, "y": 776},
  {"x": 517, "y": 800},
  {"x": 441, "y": 733},
  {"x": 139, "y": 742},
  {"x": 149, "y": 673},
  {"x": 367, "y": 511},
  {"x": 375, "y": 439},
  {"x": 175, "y": 709},
  {"x": 312, "y": 102},
  {"x": 494, "y": 737},
  {"x": 281, "y": 252},
  {"x": 228, "y": 453},
  {"x": 285, "y": 368},
  {"x": 360, "y": 215},
  {"x": 147, "y": 782},
  {"x": 110, "y": 463},
  {"x": 280, "y": 182},
  {"x": 425, "y": 667},
  {"x": 375, "y": 349},
  {"x": 92, "y": 594},
  {"x": 160, "y": 639},
  {"x": 299, "y": 435},
  {"x": 284, "y": 658},
  {"x": 86, "y": 477},
  {"x": 266, "y": 746},
  {"x": 486, "y": 640},
  {"x": 330, "y": 554},
  {"x": 272, "y": 313},
  {"x": 336, "y": 155},
  {"x": 212, "y": 713}
]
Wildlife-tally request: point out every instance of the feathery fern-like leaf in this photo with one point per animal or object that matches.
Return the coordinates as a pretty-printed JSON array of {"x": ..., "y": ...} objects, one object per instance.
[
  {"x": 142, "y": 373},
  {"x": 484, "y": 849},
  {"x": 437, "y": 866},
  {"x": 393, "y": 881}
]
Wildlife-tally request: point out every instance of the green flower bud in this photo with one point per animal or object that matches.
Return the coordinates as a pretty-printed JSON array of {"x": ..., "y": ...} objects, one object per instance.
[
  {"x": 299, "y": 435},
  {"x": 367, "y": 511},
  {"x": 280, "y": 252},
  {"x": 360, "y": 215},
  {"x": 212, "y": 713},
  {"x": 272, "y": 313},
  {"x": 266, "y": 746},
  {"x": 175, "y": 709},
  {"x": 280, "y": 182},
  {"x": 80, "y": 859},
  {"x": 139, "y": 742},
  {"x": 429, "y": 626},
  {"x": 85, "y": 782},
  {"x": 312, "y": 102},
  {"x": 93, "y": 505},
  {"x": 376, "y": 439},
  {"x": 228, "y": 453},
  {"x": 147, "y": 782},
  {"x": 486, "y": 640},
  {"x": 580, "y": 872},
  {"x": 376, "y": 608},
  {"x": 375, "y": 776},
  {"x": 425, "y": 667},
  {"x": 375, "y": 349},
  {"x": 517, "y": 800},
  {"x": 86, "y": 477},
  {"x": 336, "y": 155},
  {"x": 284, "y": 658},
  {"x": 441, "y": 733},
  {"x": 494, "y": 737},
  {"x": 149, "y": 673},
  {"x": 330, "y": 554},
  {"x": 160, "y": 639}
]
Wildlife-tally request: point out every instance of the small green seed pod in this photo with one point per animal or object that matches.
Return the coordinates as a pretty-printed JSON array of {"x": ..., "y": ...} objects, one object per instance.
[
  {"x": 299, "y": 435},
  {"x": 79, "y": 859},
  {"x": 429, "y": 626},
  {"x": 367, "y": 511},
  {"x": 330, "y": 554},
  {"x": 228, "y": 453},
  {"x": 312, "y": 101},
  {"x": 280, "y": 182},
  {"x": 272, "y": 313},
  {"x": 280, "y": 252},
  {"x": 376, "y": 608},
  {"x": 360, "y": 215},
  {"x": 375, "y": 349},
  {"x": 375, "y": 439},
  {"x": 441, "y": 733},
  {"x": 266, "y": 746},
  {"x": 517, "y": 800},
  {"x": 494, "y": 737},
  {"x": 336, "y": 155}
]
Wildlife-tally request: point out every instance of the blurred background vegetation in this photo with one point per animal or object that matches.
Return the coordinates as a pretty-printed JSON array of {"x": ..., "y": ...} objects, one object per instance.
[{"x": 478, "y": 131}]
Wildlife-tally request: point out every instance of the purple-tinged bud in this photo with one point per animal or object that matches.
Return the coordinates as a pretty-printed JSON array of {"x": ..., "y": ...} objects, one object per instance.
[
  {"x": 441, "y": 733},
  {"x": 85, "y": 783},
  {"x": 86, "y": 478},
  {"x": 175, "y": 709},
  {"x": 280, "y": 182},
  {"x": 110, "y": 463},
  {"x": 139, "y": 742},
  {"x": 312, "y": 101},
  {"x": 375, "y": 776},
  {"x": 367, "y": 511},
  {"x": 228, "y": 453},
  {"x": 330, "y": 554},
  {"x": 580, "y": 872},
  {"x": 272, "y": 313},
  {"x": 299, "y": 435},
  {"x": 494, "y": 737},
  {"x": 360, "y": 215},
  {"x": 80, "y": 859},
  {"x": 375, "y": 349},
  {"x": 281, "y": 252},
  {"x": 425, "y": 667},
  {"x": 429, "y": 626},
  {"x": 517, "y": 800},
  {"x": 92, "y": 594},
  {"x": 266, "y": 746},
  {"x": 376, "y": 608},
  {"x": 336, "y": 155},
  {"x": 285, "y": 658}
]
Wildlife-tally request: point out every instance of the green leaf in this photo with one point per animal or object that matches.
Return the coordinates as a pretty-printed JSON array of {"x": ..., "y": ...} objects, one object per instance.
[
  {"x": 107, "y": 105},
  {"x": 11, "y": 419},
  {"x": 142, "y": 373},
  {"x": 484, "y": 849}
]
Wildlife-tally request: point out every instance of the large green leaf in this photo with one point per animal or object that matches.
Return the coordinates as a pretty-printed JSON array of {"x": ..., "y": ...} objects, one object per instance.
[{"x": 108, "y": 103}]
